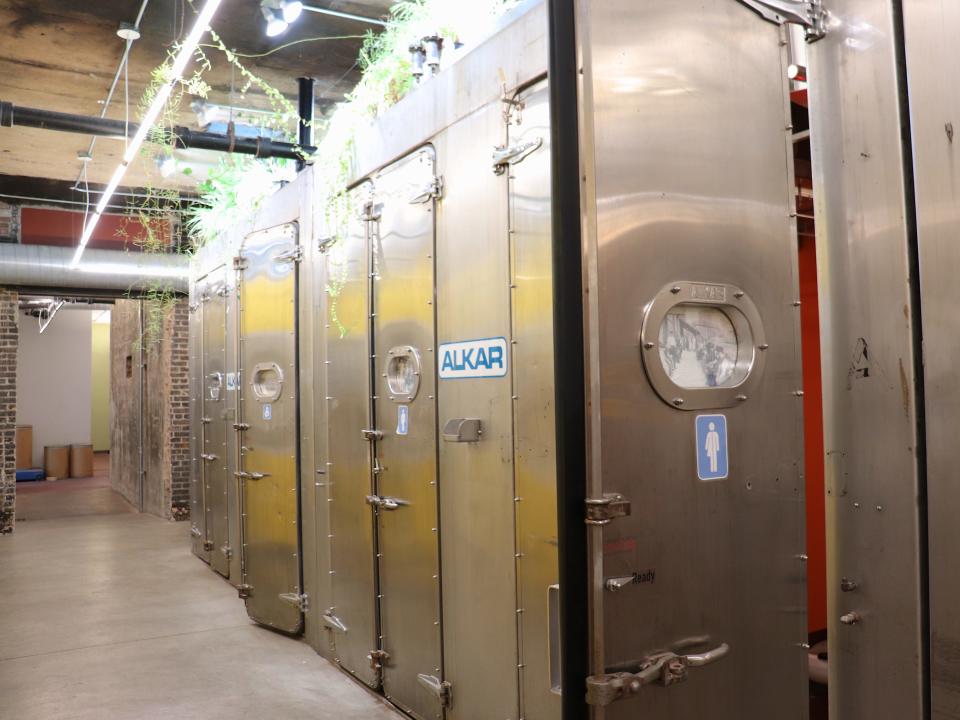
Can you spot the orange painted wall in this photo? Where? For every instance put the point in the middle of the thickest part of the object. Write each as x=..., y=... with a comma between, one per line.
x=813, y=437
x=51, y=226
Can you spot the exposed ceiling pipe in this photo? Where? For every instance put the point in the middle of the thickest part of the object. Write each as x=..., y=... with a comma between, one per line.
x=262, y=147
x=306, y=103
x=44, y=266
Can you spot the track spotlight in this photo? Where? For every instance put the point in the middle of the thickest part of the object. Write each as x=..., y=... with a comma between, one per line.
x=291, y=10
x=279, y=14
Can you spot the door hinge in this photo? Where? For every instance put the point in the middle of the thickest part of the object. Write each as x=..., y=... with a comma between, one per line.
x=208, y=545
x=371, y=435
x=240, y=263
x=195, y=531
x=206, y=420
x=810, y=14
x=378, y=659
x=244, y=591
x=371, y=212
x=332, y=621
x=431, y=191
x=442, y=689
x=601, y=511
x=193, y=307
x=294, y=254
x=208, y=457
x=663, y=668
x=227, y=551
x=506, y=155
x=298, y=600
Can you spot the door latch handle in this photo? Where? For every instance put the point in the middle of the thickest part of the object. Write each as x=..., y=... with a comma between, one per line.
x=371, y=435
x=618, y=583
x=385, y=503
x=257, y=476
x=505, y=156
x=208, y=457
x=664, y=668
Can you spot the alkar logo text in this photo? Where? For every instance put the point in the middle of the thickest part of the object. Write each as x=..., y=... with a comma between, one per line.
x=485, y=358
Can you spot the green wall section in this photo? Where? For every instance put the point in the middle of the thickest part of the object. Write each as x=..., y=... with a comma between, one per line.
x=100, y=388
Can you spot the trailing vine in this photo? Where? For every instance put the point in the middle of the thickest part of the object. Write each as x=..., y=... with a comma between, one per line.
x=234, y=191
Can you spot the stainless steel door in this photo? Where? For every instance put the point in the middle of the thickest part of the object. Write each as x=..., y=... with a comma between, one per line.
x=405, y=467
x=873, y=471
x=930, y=28
x=214, y=420
x=268, y=428
x=352, y=618
x=200, y=543
x=533, y=392
x=693, y=361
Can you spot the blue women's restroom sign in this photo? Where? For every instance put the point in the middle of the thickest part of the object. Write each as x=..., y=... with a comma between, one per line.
x=713, y=462
x=403, y=419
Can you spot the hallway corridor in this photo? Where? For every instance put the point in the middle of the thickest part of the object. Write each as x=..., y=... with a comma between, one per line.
x=110, y=617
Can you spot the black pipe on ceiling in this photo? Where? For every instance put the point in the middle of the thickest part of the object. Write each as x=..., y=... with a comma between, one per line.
x=305, y=110
x=262, y=147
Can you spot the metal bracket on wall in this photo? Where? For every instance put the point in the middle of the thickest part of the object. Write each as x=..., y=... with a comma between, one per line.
x=808, y=13
x=603, y=510
x=443, y=690
x=298, y=600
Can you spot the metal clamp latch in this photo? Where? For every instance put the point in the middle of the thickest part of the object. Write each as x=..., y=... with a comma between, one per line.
x=294, y=254
x=195, y=531
x=442, y=689
x=433, y=190
x=244, y=475
x=208, y=545
x=385, y=503
x=463, y=430
x=206, y=420
x=600, y=511
x=503, y=157
x=808, y=13
x=208, y=457
x=241, y=426
x=332, y=621
x=244, y=591
x=371, y=435
x=298, y=600
x=664, y=668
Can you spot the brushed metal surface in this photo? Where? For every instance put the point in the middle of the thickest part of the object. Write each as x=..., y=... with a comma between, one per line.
x=533, y=407
x=216, y=422
x=476, y=479
x=930, y=30
x=689, y=177
x=868, y=366
x=271, y=534
x=198, y=511
x=352, y=557
x=408, y=543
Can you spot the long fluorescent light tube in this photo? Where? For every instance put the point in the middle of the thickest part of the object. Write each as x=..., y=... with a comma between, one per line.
x=149, y=118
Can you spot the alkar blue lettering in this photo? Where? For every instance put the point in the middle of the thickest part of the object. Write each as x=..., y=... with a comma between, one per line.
x=485, y=358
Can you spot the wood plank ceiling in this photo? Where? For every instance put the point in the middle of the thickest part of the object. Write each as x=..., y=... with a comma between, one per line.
x=62, y=55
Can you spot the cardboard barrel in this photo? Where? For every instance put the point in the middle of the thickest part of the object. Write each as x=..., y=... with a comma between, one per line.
x=56, y=461
x=81, y=461
x=24, y=446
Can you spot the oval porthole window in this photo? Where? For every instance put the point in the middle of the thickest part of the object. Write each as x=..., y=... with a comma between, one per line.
x=699, y=347
x=702, y=345
x=403, y=373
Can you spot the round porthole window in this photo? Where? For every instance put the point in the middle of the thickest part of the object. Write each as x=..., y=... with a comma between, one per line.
x=702, y=345
x=403, y=373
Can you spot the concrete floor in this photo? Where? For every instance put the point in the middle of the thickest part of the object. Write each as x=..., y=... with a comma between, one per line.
x=43, y=500
x=110, y=617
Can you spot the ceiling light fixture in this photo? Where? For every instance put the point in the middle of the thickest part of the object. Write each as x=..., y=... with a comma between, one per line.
x=186, y=51
x=280, y=13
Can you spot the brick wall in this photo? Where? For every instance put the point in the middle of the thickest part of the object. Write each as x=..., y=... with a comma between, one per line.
x=178, y=423
x=9, y=338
